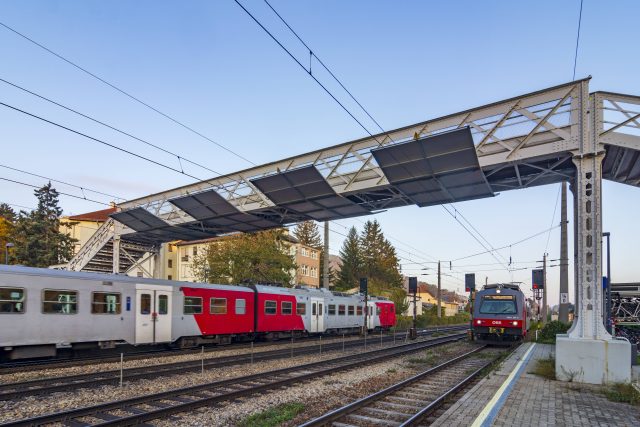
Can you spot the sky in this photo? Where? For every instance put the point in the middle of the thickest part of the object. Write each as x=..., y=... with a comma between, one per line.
x=207, y=64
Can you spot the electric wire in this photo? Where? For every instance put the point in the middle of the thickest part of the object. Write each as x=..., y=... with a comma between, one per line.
x=309, y=73
x=313, y=54
x=575, y=59
x=178, y=157
x=129, y=95
x=62, y=182
x=59, y=192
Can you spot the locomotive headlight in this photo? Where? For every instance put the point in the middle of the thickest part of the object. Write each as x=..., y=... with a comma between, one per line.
x=478, y=321
x=515, y=323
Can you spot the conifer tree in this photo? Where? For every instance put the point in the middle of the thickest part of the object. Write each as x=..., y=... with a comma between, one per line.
x=351, y=262
x=39, y=242
x=308, y=234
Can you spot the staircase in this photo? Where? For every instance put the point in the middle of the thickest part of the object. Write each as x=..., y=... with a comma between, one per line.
x=97, y=254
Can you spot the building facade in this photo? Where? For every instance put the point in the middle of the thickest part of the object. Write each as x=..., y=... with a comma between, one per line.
x=82, y=227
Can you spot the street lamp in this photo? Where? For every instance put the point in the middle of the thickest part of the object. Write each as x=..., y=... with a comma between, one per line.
x=6, y=252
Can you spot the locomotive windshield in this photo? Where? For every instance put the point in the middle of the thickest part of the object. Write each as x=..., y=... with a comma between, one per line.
x=498, y=304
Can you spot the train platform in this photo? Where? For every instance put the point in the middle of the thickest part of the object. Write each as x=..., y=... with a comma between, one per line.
x=513, y=396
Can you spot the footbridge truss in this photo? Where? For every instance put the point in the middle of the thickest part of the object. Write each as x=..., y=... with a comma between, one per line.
x=560, y=133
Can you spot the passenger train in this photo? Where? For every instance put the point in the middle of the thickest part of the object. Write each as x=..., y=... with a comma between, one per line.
x=500, y=314
x=43, y=311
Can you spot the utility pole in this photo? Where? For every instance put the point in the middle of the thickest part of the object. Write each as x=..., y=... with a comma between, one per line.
x=563, y=313
x=439, y=292
x=545, y=308
x=607, y=308
x=325, y=259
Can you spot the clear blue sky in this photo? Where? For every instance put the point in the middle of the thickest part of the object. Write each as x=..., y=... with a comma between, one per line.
x=208, y=64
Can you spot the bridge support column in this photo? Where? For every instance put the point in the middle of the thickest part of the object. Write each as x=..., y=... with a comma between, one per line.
x=588, y=353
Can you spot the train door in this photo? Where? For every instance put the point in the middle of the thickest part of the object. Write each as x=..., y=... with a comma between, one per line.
x=317, y=314
x=153, y=314
x=371, y=318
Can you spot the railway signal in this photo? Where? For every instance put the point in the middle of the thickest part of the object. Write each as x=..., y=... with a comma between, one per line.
x=413, y=289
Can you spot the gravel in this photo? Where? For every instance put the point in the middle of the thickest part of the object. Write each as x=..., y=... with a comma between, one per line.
x=323, y=393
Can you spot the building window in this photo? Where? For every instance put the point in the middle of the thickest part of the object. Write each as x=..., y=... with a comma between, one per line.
x=169, y=277
x=304, y=270
x=314, y=272
x=286, y=307
x=241, y=306
x=192, y=305
x=105, y=303
x=301, y=308
x=218, y=306
x=270, y=307
x=11, y=300
x=195, y=250
x=351, y=310
x=59, y=302
x=314, y=254
x=170, y=263
x=359, y=310
x=332, y=309
x=341, y=310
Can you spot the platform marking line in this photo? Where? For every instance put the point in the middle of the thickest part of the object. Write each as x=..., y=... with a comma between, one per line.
x=491, y=409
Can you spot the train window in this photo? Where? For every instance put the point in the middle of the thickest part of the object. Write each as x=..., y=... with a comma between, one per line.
x=359, y=310
x=341, y=310
x=301, y=308
x=498, y=304
x=270, y=307
x=332, y=309
x=59, y=302
x=320, y=309
x=314, y=309
x=105, y=303
x=163, y=304
x=351, y=310
x=378, y=310
x=286, y=307
x=192, y=305
x=241, y=306
x=218, y=305
x=145, y=304
x=11, y=300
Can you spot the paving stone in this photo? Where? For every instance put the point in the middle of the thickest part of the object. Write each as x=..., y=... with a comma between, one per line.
x=535, y=401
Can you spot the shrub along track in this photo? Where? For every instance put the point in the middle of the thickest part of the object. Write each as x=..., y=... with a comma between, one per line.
x=145, y=408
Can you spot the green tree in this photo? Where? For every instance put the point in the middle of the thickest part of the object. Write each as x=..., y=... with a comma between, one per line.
x=7, y=229
x=39, y=242
x=308, y=234
x=380, y=264
x=261, y=257
x=351, y=262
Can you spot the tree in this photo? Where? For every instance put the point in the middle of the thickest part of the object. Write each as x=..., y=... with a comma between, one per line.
x=260, y=257
x=7, y=226
x=39, y=242
x=380, y=264
x=351, y=262
x=308, y=234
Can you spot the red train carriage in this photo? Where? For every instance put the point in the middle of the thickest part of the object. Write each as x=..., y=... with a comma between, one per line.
x=500, y=314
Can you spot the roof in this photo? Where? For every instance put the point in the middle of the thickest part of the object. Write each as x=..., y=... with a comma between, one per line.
x=97, y=216
x=285, y=236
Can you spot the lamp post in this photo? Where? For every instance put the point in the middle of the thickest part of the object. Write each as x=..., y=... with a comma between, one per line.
x=6, y=252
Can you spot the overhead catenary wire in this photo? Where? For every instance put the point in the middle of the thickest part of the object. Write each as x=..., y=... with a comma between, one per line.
x=305, y=69
x=575, y=58
x=59, y=192
x=93, y=119
x=62, y=182
x=126, y=93
x=312, y=54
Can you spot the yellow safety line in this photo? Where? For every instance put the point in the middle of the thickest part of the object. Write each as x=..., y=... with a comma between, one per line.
x=489, y=406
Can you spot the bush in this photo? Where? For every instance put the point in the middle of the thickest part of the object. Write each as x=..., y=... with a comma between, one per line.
x=551, y=329
x=430, y=318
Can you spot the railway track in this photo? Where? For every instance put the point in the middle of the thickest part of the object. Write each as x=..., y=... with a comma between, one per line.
x=145, y=408
x=410, y=402
x=72, y=382
x=35, y=365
